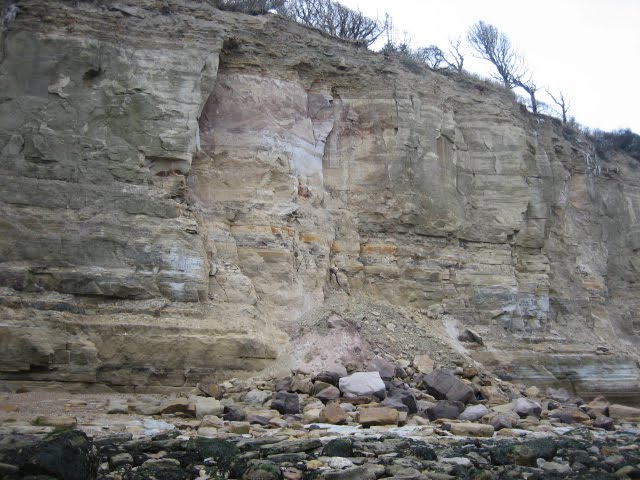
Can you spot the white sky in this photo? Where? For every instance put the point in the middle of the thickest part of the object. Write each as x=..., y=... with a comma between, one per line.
x=589, y=49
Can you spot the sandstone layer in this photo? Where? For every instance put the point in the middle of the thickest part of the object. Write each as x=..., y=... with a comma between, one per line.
x=182, y=188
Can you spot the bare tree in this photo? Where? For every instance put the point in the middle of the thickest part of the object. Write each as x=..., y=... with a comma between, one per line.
x=494, y=46
x=432, y=55
x=531, y=88
x=334, y=19
x=455, y=60
x=562, y=102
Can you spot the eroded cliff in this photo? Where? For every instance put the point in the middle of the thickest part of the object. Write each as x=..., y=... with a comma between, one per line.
x=182, y=188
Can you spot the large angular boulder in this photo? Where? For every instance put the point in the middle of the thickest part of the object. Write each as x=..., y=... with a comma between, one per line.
x=384, y=367
x=363, y=384
x=286, y=403
x=526, y=407
x=368, y=417
x=444, y=385
x=445, y=409
x=401, y=399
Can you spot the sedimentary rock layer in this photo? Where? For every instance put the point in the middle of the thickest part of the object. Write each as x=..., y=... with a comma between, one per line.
x=197, y=181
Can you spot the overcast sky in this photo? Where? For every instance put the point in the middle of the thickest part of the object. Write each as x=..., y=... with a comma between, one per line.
x=589, y=49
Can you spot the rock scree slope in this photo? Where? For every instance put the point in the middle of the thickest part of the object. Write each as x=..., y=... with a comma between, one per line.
x=187, y=192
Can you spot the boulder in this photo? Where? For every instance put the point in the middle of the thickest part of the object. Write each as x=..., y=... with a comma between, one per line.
x=472, y=429
x=178, y=406
x=606, y=423
x=558, y=394
x=359, y=384
x=208, y=406
x=284, y=385
x=526, y=407
x=445, y=409
x=257, y=396
x=620, y=412
x=384, y=367
x=370, y=416
x=473, y=412
x=69, y=454
x=470, y=336
x=598, y=406
x=329, y=393
x=332, y=413
x=500, y=421
x=423, y=363
x=444, y=385
x=338, y=447
x=402, y=399
x=286, y=403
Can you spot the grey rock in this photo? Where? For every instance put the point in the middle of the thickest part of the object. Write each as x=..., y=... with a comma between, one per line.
x=473, y=412
x=525, y=407
x=444, y=385
x=257, y=396
x=286, y=403
x=120, y=460
x=445, y=409
x=363, y=384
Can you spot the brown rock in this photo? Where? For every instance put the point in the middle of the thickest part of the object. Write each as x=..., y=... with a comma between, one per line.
x=332, y=413
x=619, y=412
x=368, y=417
x=423, y=363
x=329, y=393
x=472, y=429
x=211, y=389
x=178, y=405
x=56, y=421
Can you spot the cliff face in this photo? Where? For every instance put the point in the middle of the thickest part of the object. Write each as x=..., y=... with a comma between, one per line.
x=181, y=187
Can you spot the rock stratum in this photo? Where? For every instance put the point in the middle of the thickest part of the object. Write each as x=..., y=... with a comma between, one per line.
x=187, y=192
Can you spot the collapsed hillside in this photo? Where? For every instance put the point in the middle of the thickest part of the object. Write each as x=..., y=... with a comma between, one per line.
x=190, y=192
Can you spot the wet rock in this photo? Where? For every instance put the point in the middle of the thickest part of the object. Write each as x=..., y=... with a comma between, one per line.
x=528, y=452
x=69, y=455
x=363, y=384
x=473, y=412
x=262, y=470
x=445, y=409
x=525, y=407
x=339, y=447
x=368, y=417
x=57, y=421
x=165, y=468
x=606, y=423
x=444, y=385
x=294, y=446
x=286, y=403
x=120, y=460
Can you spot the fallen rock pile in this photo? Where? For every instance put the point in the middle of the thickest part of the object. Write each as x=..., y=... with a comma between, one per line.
x=394, y=421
